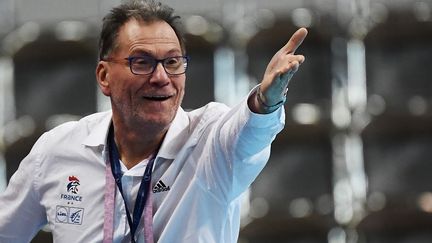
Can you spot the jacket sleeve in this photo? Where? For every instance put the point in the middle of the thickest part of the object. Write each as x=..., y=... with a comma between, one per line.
x=21, y=213
x=239, y=148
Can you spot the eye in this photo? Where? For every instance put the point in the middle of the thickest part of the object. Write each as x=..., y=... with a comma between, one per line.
x=143, y=61
x=172, y=61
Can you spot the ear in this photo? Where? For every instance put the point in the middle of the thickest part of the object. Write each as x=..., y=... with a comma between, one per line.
x=102, y=77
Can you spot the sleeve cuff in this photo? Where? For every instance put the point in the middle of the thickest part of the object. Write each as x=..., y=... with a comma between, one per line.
x=275, y=118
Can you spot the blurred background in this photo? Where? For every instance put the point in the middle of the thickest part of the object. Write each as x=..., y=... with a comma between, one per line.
x=354, y=161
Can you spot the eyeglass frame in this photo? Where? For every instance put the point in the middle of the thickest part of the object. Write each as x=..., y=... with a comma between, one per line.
x=157, y=61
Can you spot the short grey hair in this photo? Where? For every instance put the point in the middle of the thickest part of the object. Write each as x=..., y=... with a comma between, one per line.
x=142, y=10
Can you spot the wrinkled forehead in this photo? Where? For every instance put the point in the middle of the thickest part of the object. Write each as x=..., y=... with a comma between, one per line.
x=135, y=33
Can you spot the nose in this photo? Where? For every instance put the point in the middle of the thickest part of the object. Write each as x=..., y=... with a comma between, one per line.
x=159, y=76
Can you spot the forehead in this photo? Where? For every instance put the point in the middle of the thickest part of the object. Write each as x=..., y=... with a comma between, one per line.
x=152, y=36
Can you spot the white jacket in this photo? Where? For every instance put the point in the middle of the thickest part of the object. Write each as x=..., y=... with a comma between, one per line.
x=208, y=158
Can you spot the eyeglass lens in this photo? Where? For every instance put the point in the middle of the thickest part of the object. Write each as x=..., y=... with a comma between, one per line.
x=147, y=64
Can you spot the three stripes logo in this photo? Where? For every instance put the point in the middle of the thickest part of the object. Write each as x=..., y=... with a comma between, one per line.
x=160, y=187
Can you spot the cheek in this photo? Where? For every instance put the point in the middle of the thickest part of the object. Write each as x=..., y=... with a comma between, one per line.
x=121, y=86
x=181, y=91
x=180, y=84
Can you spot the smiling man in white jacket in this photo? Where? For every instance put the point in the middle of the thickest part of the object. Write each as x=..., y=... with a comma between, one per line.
x=147, y=171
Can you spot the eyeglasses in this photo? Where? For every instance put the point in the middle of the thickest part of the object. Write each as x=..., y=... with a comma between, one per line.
x=145, y=65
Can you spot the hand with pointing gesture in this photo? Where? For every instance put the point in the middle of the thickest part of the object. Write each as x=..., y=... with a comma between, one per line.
x=281, y=68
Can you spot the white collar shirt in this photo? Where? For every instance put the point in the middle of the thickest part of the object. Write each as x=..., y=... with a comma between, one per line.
x=208, y=158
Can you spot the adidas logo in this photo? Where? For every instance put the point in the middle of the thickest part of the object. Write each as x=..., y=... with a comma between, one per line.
x=160, y=187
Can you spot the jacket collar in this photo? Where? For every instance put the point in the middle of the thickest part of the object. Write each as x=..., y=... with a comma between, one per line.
x=98, y=130
x=175, y=138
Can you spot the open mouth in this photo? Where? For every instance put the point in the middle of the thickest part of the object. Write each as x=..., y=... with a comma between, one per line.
x=157, y=97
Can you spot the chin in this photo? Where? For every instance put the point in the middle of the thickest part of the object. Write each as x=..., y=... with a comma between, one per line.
x=158, y=121
x=157, y=117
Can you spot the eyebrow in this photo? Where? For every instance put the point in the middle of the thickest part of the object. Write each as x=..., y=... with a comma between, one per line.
x=175, y=51
x=141, y=52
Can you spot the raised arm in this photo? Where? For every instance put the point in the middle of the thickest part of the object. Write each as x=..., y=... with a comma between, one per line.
x=281, y=68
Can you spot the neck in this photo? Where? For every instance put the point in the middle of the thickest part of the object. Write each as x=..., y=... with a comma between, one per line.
x=135, y=145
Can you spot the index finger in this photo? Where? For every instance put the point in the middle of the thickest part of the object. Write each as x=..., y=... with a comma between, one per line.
x=295, y=40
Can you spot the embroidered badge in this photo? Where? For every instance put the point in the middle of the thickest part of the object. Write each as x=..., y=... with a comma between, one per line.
x=76, y=215
x=160, y=187
x=73, y=184
x=72, y=191
x=62, y=214
x=69, y=215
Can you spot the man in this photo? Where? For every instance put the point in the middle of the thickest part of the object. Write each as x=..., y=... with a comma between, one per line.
x=147, y=171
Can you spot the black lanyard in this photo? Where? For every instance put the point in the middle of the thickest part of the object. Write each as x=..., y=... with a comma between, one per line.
x=143, y=191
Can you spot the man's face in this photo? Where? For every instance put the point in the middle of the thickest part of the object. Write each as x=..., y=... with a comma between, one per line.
x=143, y=100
